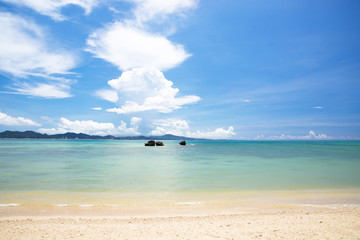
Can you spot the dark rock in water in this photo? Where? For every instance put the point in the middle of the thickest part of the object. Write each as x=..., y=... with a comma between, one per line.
x=150, y=143
x=159, y=143
x=182, y=143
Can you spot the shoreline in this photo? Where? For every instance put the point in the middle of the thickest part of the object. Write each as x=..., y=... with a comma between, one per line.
x=50, y=203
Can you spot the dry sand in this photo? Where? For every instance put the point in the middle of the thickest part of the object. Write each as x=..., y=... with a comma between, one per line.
x=299, y=223
x=281, y=216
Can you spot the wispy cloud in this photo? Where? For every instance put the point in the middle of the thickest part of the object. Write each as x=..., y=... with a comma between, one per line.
x=35, y=56
x=24, y=52
x=52, y=8
x=16, y=121
x=149, y=10
x=54, y=90
x=108, y=95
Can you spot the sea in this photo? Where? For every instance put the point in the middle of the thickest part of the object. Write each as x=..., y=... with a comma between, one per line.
x=65, y=171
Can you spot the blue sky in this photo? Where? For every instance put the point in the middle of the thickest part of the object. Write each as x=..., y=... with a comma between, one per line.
x=214, y=69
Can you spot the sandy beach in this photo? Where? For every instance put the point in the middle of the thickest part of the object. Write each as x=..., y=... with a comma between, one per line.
x=299, y=223
x=263, y=215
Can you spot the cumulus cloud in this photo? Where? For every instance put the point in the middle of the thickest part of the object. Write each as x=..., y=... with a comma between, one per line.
x=180, y=127
x=218, y=133
x=143, y=89
x=128, y=47
x=16, y=121
x=141, y=55
x=52, y=130
x=52, y=8
x=94, y=128
x=97, y=108
x=88, y=126
x=170, y=126
x=133, y=129
x=311, y=136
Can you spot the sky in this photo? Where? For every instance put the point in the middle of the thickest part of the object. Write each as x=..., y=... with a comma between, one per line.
x=231, y=69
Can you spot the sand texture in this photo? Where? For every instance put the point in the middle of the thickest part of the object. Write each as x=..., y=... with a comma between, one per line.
x=295, y=223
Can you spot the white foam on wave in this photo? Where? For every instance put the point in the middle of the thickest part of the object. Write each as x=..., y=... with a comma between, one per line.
x=10, y=205
x=188, y=203
x=332, y=206
x=61, y=205
x=86, y=205
x=112, y=205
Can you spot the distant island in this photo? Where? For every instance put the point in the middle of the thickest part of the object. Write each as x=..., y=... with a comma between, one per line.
x=70, y=135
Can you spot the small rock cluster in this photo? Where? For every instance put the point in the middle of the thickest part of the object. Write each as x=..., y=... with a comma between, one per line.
x=152, y=143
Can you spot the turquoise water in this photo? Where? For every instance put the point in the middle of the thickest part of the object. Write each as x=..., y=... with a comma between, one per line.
x=128, y=166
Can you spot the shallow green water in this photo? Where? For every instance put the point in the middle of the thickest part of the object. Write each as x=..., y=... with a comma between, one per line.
x=128, y=166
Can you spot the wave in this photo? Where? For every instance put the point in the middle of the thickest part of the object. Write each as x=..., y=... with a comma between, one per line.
x=10, y=205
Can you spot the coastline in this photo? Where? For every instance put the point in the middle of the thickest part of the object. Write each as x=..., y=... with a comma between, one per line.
x=160, y=204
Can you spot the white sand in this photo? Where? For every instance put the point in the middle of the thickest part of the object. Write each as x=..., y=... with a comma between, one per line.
x=299, y=223
x=308, y=215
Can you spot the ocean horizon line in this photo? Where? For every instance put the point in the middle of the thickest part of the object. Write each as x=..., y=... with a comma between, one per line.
x=29, y=134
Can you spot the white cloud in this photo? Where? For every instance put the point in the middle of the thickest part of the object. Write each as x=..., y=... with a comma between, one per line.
x=181, y=128
x=108, y=95
x=170, y=126
x=97, y=108
x=141, y=55
x=147, y=10
x=52, y=8
x=47, y=119
x=94, y=128
x=88, y=126
x=143, y=89
x=52, y=130
x=54, y=90
x=133, y=130
x=161, y=131
x=311, y=136
x=128, y=47
x=219, y=133
x=318, y=107
x=24, y=50
x=16, y=121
